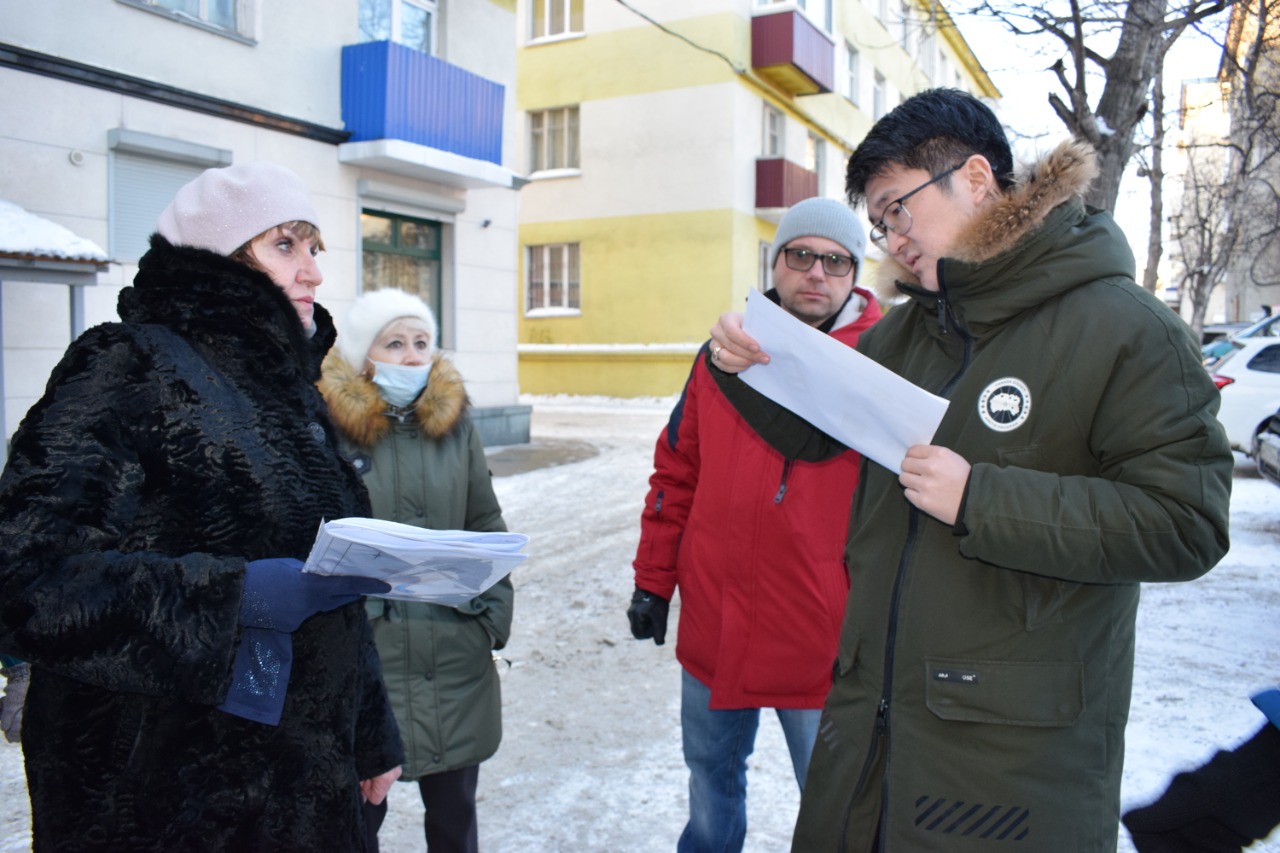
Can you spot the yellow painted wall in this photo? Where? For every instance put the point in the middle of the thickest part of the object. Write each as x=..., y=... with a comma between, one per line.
x=646, y=280
x=630, y=61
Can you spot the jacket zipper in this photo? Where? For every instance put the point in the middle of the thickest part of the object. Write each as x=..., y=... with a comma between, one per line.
x=946, y=319
x=782, y=487
x=882, y=712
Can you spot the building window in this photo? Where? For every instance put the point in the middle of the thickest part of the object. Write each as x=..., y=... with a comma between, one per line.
x=766, y=272
x=553, y=139
x=879, y=97
x=213, y=14
x=904, y=21
x=401, y=252
x=556, y=18
x=929, y=55
x=773, y=131
x=882, y=12
x=553, y=283
x=815, y=157
x=412, y=23
x=852, y=60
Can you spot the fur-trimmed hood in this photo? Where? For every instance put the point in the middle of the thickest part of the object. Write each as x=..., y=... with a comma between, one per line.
x=363, y=416
x=1063, y=175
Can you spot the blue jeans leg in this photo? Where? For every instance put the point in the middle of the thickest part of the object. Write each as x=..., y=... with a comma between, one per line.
x=800, y=728
x=716, y=746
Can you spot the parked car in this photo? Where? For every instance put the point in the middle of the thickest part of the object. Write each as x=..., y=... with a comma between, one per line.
x=1267, y=449
x=1248, y=378
x=1219, y=345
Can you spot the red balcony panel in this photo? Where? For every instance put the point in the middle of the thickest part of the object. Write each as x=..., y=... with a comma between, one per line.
x=789, y=51
x=781, y=183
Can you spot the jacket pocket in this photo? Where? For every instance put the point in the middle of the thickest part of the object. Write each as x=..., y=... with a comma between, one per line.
x=1011, y=693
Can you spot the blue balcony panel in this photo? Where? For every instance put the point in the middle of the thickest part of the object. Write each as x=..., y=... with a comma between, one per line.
x=390, y=91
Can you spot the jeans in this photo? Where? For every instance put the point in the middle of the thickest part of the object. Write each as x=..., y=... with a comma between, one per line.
x=716, y=747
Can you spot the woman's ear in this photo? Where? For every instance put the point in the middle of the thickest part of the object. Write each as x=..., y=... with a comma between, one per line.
x=369, y=369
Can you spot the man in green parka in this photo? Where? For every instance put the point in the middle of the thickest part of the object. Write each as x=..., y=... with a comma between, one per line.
x=985, y=665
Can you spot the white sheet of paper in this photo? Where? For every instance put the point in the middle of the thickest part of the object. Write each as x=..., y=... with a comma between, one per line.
x=840, y=391
x=440, y=566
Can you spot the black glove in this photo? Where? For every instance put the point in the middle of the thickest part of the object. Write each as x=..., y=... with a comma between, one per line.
x=648, y=615
x=280, y=596
x=1223, y=805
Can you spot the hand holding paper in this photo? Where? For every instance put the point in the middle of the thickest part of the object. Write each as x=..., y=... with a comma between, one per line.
x=848, y=396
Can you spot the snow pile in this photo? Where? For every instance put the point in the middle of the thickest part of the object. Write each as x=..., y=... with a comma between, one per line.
x=25, y=234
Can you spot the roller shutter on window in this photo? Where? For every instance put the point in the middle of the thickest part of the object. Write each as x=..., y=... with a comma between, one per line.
x=141, y=188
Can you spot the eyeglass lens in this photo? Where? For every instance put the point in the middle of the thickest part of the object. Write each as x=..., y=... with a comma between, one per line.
x=802, y=260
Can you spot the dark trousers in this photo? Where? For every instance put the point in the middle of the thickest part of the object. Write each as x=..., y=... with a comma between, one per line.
x=450, y=799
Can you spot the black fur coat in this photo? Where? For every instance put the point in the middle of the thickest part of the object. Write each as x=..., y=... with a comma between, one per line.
x=168, y=450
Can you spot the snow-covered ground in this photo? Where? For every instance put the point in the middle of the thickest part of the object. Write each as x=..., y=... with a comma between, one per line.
x=591, y=756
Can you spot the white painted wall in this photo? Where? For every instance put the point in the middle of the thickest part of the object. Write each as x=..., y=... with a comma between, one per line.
x=293, y=70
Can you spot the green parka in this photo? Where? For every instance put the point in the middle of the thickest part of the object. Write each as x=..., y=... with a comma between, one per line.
x=425, y=465
x=984, y=673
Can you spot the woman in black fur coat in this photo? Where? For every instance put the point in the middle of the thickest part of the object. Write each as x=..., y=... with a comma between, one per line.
x=190, y=688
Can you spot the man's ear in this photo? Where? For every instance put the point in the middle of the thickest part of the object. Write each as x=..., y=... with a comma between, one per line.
x=979, y=181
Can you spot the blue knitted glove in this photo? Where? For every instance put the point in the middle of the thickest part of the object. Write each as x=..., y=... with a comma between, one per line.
x=280, y=596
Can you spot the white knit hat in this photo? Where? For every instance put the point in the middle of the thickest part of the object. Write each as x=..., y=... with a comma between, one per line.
x=821, y=217
x=223, y=209
x=374, y=311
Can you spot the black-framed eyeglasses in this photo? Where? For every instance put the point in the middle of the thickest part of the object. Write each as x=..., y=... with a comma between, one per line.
x=896, y=217
x=802, y=260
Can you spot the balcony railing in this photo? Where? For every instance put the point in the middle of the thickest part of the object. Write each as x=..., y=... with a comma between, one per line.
x=781, y=183
x=390, y=91
x=789, y=51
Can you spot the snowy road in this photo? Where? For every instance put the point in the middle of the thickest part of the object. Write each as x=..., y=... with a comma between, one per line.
x=591, y=756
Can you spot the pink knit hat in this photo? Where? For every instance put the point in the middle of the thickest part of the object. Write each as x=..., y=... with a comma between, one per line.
x=223, y=209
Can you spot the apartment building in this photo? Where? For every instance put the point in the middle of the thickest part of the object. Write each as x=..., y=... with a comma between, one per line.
x=663, y=141
x=398, y=114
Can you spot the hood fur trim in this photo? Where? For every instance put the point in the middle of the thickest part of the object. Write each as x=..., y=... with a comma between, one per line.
x=360, y=412
x=1065, y=173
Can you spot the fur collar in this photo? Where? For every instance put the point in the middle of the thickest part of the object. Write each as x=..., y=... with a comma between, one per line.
x=1064, y=174
x=363, y=416
x=224, y=307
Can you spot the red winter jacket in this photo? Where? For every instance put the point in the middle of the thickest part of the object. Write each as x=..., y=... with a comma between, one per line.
x=754, y=543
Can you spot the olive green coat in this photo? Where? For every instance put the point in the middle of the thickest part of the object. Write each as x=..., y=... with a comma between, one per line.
x=984, y=672
x=425, y=465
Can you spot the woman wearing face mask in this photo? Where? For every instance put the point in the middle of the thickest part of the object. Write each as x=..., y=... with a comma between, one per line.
x=401, y=409
x=190, y=688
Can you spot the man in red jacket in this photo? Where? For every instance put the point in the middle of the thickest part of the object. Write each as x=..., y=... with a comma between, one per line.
x=754, y=543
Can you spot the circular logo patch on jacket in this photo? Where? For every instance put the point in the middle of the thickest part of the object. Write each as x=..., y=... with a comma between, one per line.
x=1005, y=404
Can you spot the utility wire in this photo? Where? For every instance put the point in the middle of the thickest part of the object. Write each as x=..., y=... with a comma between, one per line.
x=685, y=39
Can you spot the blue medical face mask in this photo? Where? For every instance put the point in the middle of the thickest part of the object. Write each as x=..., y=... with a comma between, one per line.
x=400, y=384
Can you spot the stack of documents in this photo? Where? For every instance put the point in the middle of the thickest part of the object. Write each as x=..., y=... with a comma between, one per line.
x=440, y=566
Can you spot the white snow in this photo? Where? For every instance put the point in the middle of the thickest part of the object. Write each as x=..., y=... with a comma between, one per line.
x=25, y=234
x=591, y=756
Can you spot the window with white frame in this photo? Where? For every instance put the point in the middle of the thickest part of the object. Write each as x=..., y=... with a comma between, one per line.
x=412, y=23
x=879, y=97
x=904, y=22
x=815, y=156
x=552, y=285
x=212, y=14
x=929, y=54
x=773, y=132
x=882, y=12
x=852, y=61
x=553, y=139
x=555, y=18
